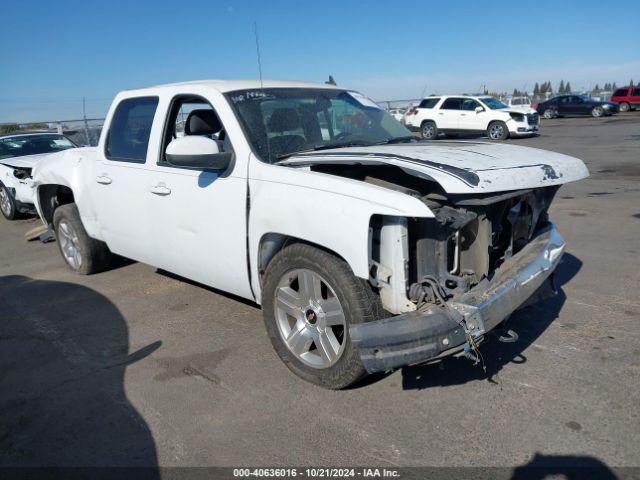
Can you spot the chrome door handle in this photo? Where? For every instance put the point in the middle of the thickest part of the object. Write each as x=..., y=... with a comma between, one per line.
x=103, y=179
x=161, y=189
x=463, y=114
x=440, y=113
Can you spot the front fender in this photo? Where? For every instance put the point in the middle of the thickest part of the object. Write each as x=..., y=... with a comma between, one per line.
x=325, y=210
x=72, y=169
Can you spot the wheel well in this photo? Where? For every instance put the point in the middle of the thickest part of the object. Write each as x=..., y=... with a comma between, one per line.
x=51, y=197
x=271, y=243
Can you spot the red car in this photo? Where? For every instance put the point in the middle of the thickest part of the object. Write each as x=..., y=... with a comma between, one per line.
x=627, y=97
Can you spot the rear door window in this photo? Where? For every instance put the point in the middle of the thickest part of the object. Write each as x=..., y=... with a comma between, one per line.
x=452, y=104
x=469, y=104
x=128, y=137
x=636, y=92
x=620, y=93
x=428, y=103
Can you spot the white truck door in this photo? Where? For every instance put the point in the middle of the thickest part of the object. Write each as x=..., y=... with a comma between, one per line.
x=199, y=217
x=448, y=115
x=120, y=183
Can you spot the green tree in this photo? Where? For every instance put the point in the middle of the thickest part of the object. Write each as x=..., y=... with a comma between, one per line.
x=561, y=87
x=596, y=88
x=567, y=88
x=8, y=128
x=614, y=86
x=536, y=89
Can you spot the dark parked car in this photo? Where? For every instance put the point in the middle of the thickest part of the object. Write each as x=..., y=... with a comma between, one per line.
x=575, y=105
x=627, y=97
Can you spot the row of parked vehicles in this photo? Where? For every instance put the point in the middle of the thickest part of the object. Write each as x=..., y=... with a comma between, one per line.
x=452, y=115
x=367, y=248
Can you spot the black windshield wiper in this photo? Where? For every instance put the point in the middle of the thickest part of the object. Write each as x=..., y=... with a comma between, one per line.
x=406, y=138
x=325, y=147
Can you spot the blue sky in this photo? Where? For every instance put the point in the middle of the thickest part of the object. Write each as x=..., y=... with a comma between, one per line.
x=56, y=52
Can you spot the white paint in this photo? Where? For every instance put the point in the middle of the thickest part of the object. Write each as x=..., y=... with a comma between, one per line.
x=198, y=228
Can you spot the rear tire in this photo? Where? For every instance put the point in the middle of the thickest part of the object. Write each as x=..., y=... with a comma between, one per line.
x=7, y=203
x=550, y=113
x=497, y=130
x=429, y=130
x=297, y=317
x=597, y=112
x=83, y=254
x=624, y=107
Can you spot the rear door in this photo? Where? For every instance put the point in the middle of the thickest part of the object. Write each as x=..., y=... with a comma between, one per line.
x=448, y=115
x=564, y=105
x=120, y=184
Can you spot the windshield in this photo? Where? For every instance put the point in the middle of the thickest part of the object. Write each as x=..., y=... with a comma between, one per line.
x=22, y=145
x=281, y=121
x=493, y=103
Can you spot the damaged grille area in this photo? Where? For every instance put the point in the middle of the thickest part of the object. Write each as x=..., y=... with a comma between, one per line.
x=469, y=238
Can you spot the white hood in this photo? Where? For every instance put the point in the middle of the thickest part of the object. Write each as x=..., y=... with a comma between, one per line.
x=461, y=166
x=28, y=161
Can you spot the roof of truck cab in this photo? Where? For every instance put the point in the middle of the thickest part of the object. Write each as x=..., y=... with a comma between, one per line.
x=232, y=85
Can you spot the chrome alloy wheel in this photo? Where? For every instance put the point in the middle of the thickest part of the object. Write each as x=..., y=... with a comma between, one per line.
x=496, y=131
x=5, y=201
x=69, y=244
x=548, y=114
x=428, y=130
x=310, y=318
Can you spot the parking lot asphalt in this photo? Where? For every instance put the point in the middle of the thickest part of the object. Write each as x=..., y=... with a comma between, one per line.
x=135, y=367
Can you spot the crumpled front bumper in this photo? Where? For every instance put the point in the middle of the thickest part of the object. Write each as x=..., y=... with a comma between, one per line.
x=420, y=336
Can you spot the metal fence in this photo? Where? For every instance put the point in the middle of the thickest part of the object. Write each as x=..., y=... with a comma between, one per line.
x=83, y=132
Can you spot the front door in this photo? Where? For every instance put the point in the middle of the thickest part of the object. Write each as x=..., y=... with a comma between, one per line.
x=470, y=119
x=199, y=217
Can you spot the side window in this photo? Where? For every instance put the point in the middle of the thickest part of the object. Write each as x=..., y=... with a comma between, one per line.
x=190, y=115
x=451, y=104
x=469, y=104
x=428, y=103
x=128, y=136
x=636, y=92
x=622, y=92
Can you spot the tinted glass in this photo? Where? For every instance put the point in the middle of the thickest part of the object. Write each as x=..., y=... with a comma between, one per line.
x=635, y=92
x=428, y=103
x=469, y=104
x=493, y=103
x=622, y=92
x=452, y=104
x=128, y=137
x=22, y=145
x=281, y=121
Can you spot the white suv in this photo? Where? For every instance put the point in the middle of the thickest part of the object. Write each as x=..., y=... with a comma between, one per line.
x=453, y=114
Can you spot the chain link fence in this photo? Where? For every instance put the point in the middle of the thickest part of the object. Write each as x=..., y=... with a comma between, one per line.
x=83, y=132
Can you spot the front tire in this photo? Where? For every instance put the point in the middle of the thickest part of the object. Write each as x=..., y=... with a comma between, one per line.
x=310, y=297
x=597, y=112
x=429, y=130
x=83, y=254
x=497, y=131
x=624, y=107
x=7, y=203
x=550, y=113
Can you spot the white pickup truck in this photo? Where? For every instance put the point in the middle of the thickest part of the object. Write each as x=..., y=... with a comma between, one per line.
x=367, y=249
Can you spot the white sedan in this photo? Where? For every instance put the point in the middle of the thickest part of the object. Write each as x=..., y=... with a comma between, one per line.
x=18, y=155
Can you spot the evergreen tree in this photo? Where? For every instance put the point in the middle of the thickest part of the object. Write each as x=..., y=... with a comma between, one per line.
x=614, y=86
x=561, y=87
x=596, y=88
x=536, y=89
x=567, y=88
x=549, y=87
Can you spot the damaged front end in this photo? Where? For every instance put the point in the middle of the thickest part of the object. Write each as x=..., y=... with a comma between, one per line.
x=465, y=270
